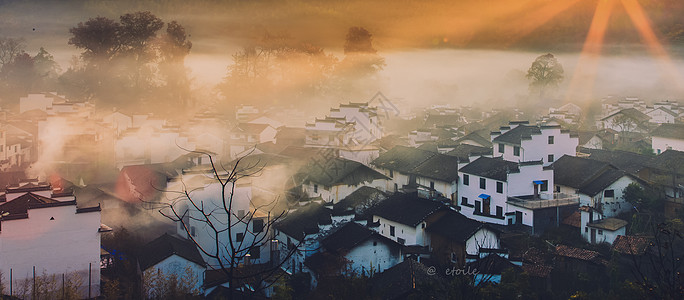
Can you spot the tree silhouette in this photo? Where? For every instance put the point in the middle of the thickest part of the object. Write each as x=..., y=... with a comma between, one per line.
x=545, y=72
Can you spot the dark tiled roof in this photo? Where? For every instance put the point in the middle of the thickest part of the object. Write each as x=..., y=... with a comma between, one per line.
x=517, y=134
x=574, y=171
x=401, y=279
x=493, y=168
x=326, y=263
x=336, y=171
x=164, y=247
x=350, y=235
x=632, y=245
x=402, y=159
x=633, y=113
x=442, y=120
x=610, y=224
x=407, y=209
x=441, y=167
x=668, y=161
x=304, y=220
x=20, y=205
x=464, y=151
x=359, y=201
x=477, y=138
x=455, y=226
x=623, y=160
x=673, y=131
x=492, y=264
x=598, y=183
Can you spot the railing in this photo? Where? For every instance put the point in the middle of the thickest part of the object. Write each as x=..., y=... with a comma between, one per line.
x=544, y=200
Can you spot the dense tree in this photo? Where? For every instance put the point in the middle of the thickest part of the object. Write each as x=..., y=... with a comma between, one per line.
x=359, y=39
x=10, y=48
x=545, y=72
x=173, y=47
x=98, y=37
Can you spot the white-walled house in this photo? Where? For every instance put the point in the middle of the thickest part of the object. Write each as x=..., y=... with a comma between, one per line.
x=625, y=120
x=367, y=126
x=598, y=184
x=247, y=225
x=301, y=230
x=519, y=142
x=329, y=132
x=335, y=178
x=668, y=136
x=170, y=255
x=398, y=163
x=246, y=135
x=497, y=191
x=597, y=229
x=662, y=115
x=437, y=177
x=453, y=237
x=53, y=237
x=366, y=251
x=403, y=218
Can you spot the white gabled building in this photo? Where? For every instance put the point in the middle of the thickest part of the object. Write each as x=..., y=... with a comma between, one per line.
x=329, y=132
x=48, y=235
x=666, y=137
x=520, y=142
x=497, y=191
x=367, y=126
x=404, y=217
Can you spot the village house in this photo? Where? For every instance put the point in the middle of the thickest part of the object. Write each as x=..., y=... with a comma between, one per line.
x=437, y=177
x=147, y=145
x=167, y=256
x=398, y=163
x=70, y=233
x=666, y=137
x=364, y=251
x=519, y=142
x=367, y=125
x=404, y=217
x=598, y=184
x=335, y=178
x=453, y=237
x=301, y=231
x=625, y=120
x=596, y=229
x=497, y=191
x=329, y=132
x=245, y=136
x=662, y=115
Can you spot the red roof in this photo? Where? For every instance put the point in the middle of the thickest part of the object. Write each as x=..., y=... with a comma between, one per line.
x=633, y=245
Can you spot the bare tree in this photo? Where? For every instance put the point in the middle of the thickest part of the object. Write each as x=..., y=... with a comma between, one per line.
x=232, y=240
x=10, y=48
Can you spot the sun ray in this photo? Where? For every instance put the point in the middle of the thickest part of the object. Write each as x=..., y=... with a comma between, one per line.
x=531, y=21
x=582, y=83
x=643, y=25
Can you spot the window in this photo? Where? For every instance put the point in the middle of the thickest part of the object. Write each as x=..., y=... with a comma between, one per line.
x=501, y=148
x=499, y=211
x=464, y=201
x=609, y=193
x=391, y=173
x=483, y=183
x=255, y=252
x=466, y=179
x=516, y=150
x=600, y=231
x=239, y=236
x=550, y=158
x=401, y=241
x=544, y=187
x=551, y=140
x=558, y=189
x=375, y=243
x=315, y=188
x=391, y=230
x=432, y=185
x=257, y=225
x=586, y=229
x=499, y=187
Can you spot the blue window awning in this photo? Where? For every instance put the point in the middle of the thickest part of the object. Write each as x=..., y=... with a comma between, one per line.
x=484, y=196
x=538, y=182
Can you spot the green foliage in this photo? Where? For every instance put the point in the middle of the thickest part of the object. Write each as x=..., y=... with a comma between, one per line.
x=644, y=199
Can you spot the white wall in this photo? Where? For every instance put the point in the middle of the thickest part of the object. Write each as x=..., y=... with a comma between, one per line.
x=483, y=238
x=538, y=147
x=367, y=256
x=412, y=235
x=661, y=144
x=177, y=265
x=67, y=244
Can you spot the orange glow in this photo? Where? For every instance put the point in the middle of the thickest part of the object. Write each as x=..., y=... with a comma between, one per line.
x=582, y=82
x=541, y=16
x=643, y=25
